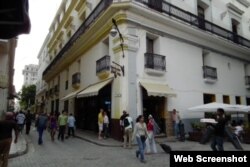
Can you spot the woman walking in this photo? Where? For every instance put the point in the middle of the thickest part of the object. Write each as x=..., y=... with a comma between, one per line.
x=53, y=126
x=150, y=142
x=140, y=133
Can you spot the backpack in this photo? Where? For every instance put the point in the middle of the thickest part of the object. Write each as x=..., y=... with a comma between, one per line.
x=126, y=122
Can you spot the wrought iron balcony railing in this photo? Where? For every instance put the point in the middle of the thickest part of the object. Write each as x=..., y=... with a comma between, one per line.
x=102, y=6
x=155, y=61
x=103, y=64
x=56, y=89
x=194, y=20
x=76, y=78
x=247, y=80
x=209, y=72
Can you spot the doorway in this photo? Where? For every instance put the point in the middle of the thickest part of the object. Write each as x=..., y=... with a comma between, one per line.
x=87, y=109
x=154, y=106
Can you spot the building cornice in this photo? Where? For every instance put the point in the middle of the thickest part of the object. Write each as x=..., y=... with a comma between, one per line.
x=61, y=24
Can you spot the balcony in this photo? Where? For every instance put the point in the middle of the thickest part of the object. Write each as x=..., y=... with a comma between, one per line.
x=56, y=90
x=76, y=80
x=194, y=20
x=210, y=74
x=51, y=92
x=155, y=64
x=103, y=67
x=247, y=82
x=47, y=94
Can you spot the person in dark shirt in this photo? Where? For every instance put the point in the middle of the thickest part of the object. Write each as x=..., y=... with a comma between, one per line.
x=42, y=121
x=219, y=131
x=28, y=120
x=6, y=128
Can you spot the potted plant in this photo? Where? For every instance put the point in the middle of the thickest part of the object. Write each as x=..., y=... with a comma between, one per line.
x=196, y=134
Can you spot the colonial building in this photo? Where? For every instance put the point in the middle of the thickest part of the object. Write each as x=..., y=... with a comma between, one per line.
x=41, y=85
x=7, y=89
x=30, y=74
x=170, y=54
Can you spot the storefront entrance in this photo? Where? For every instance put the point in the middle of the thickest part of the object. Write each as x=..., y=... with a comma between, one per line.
x=87, y=109
x=156, y=107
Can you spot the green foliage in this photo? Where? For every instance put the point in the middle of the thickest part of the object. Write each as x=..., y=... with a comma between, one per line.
x=27, y=95
x=197, y=126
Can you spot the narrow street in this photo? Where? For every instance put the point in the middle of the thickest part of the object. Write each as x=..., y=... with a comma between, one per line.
x=75, y=152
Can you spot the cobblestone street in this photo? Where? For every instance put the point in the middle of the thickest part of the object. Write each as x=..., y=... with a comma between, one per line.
x=74, y=152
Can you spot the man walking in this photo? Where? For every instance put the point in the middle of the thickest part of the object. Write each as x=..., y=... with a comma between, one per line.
x=20, y=118
x=71, y=125
x=128, y=131
x=6, y=128
x=28, y=121
x=219, y=131
x=176, y=120
x=62, y=122
x=41, y=126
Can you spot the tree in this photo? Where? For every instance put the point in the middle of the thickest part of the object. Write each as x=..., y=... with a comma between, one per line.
x=28, y=95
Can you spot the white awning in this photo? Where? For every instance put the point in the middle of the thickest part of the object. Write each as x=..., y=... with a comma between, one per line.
x=93, y=89
x=70, y=95
x=157, y=89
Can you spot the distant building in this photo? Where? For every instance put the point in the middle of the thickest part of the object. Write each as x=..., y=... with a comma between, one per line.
x=30, y=74
x=7, y=89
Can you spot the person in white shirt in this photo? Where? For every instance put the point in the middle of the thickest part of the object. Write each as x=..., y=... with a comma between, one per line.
x=141, y=134
x=128, y=131
x=20, y=118
x=176, y=120
x=238, y=129
x=105, y=124
x=71, y=125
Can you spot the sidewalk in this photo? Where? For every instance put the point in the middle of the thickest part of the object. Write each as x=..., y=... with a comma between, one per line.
x=93, y=138
x=175, y=145
x=19, y=148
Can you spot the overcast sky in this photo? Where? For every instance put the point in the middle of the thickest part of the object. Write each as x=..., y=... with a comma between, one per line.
x=41, y=13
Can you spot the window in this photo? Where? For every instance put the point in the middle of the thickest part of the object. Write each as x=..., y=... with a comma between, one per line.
x=235, y=26
x=226, y=99
x=248, y=101
x=66, y=85
x=150, y=45
x=237, y=100
x=66, y=105
x=201, y=15
x=209, y=98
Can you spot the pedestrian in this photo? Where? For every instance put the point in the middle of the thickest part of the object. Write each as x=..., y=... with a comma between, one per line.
x=105, y=124
x=6, y=128
x=219, y=131
x=28, y=121
x=128, y=131
x=176, y=120
x=42, y=121
x=71, y=125
x=100, y=123
x=124, y=114
x=53, y=125
x=62, y=122
x=150, y=142
x=20, y=118
x=140, y=133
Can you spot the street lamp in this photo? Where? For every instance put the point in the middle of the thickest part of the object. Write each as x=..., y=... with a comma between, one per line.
x=113, y=33
x=117, y=69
